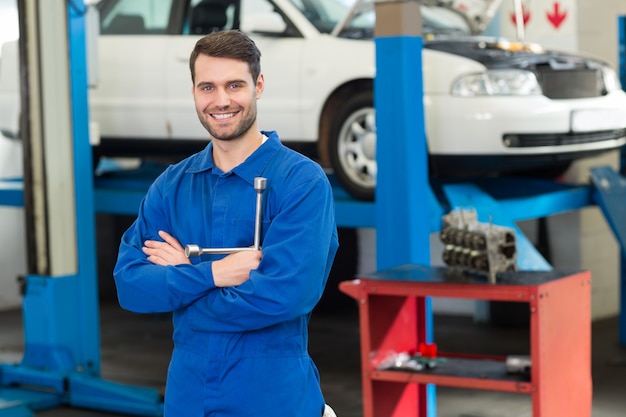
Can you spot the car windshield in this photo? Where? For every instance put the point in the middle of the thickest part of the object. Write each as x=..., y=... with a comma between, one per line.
x=327, y=14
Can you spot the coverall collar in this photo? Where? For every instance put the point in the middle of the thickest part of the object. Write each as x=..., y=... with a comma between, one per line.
x=252, y=167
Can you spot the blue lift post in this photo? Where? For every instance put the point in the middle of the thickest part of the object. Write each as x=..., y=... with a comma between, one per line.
x=402, y=192
x=622, y=72
x=610, y=196
x=61, y=362
x=621, y=35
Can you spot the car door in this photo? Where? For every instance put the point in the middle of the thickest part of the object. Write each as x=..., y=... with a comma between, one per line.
x=281, y=48
x=128, y=100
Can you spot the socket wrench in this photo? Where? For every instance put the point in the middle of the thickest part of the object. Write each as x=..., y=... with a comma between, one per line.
x=260, y=184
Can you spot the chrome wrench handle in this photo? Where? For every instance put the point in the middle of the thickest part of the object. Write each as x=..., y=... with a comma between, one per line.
x=260, y=183
x=195, y=250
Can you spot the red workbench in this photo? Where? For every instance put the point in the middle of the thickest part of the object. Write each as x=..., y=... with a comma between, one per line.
x=392, y=318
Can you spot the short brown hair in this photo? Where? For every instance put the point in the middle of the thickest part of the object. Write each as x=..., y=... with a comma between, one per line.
x=228, y=44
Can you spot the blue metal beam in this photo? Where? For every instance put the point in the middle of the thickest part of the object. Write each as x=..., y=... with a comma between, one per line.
x=610, y=196
x=122, y=192
x=12, y=193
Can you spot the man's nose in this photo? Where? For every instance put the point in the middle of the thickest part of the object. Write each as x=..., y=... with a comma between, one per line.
x=221, y=97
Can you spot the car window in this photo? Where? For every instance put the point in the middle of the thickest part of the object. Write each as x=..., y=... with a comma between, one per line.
x=323, y=14
x=205, y=16
x=134, y=17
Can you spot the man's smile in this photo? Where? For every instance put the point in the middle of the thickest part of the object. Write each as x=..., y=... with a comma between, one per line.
x=222, y=116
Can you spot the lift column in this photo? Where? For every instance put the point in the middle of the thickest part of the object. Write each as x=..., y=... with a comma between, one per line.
x=56, y=247
x=402, y=191
x=61, y=362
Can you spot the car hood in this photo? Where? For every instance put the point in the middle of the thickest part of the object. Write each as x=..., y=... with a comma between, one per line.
x=495, y=53
x=477, y=13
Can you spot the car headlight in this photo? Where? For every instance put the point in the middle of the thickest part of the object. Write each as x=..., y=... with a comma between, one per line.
x=504, y=82
x=611, y=81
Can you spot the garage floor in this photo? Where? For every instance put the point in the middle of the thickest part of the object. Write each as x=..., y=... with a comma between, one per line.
x=135, y=350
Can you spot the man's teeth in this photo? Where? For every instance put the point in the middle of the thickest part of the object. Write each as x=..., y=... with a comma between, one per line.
x=223, y=115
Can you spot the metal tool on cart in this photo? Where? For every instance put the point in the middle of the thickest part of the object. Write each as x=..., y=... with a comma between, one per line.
x=195, y=250
x=476, y=247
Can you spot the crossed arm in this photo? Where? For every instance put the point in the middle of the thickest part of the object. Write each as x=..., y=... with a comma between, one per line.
x=229, y=271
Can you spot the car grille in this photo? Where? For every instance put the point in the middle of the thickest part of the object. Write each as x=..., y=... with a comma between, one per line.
x=571, y=83
x=559, y=139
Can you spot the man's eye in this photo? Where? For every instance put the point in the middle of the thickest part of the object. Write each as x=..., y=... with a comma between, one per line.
x=207, y=88
x=235, y=85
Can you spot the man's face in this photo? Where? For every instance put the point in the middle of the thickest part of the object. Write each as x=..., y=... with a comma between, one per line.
x=225, y=96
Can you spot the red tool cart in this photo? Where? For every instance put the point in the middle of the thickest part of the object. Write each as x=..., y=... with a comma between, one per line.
x=392, y=320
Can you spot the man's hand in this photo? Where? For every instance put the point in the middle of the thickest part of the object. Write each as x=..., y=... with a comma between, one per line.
x=235, y=268
x=230, y=271
x=168, y=252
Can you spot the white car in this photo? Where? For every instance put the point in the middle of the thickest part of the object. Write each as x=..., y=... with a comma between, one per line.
x=490, y=106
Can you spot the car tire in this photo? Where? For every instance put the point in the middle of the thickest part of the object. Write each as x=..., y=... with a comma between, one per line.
x=352, y=146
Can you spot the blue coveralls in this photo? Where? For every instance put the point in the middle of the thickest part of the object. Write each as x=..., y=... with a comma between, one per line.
x=238, y=351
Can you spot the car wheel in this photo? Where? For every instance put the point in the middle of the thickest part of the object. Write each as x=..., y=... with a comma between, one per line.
x=352, y=146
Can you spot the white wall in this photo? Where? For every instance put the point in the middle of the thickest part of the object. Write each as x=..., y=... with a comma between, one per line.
x=551, y=24
x=12, y=226
x=12, y=255
x=597, y=27
x=8, y=21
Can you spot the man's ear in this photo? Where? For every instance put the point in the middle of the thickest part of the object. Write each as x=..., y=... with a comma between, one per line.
x=260, y=85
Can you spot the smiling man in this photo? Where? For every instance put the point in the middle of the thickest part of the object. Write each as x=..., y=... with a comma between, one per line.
x=240, y=320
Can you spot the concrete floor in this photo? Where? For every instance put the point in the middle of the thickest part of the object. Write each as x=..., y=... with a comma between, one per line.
x=135, y=350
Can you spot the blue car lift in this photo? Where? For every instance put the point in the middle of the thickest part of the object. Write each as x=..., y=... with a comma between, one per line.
x=621, y=35
x=61, y=363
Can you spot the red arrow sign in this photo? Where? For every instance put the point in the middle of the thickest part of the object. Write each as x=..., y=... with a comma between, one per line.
x=556, y=17
x=525, y=16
